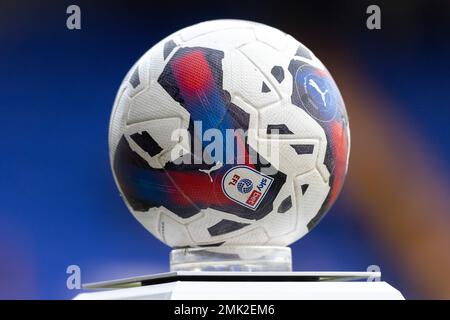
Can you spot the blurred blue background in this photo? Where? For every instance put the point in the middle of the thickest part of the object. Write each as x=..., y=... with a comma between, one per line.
x=59, y=205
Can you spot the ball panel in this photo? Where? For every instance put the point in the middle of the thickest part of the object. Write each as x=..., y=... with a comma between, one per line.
x=174, y=233
x=154, y=103
x=117, y=120
x=271, y=37
x=151, y=220
x=208, y=27
x=253, y=237
x=310, y=199
x=244, y=80
x=265, y=58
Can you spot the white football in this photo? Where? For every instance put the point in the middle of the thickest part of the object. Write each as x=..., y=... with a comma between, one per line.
x=229, y=132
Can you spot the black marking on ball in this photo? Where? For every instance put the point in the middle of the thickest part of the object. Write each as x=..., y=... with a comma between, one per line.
x=134, y=79
x=281, y=128
x=285, y=205
x=265, y=88
x=168, y=47
x=304, y=188
x=225, y=226
x=146, y=143
x=212, y=244
x=303, y=52
x=278, y=73
x=303, y=148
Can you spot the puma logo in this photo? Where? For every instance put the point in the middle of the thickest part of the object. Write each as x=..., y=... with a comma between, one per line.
x=217, y=166
x=313, y=84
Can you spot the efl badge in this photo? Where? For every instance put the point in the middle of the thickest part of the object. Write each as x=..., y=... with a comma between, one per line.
x=246, y=186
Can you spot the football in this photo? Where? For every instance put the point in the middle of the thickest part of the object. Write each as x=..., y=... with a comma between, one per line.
x=229, y=133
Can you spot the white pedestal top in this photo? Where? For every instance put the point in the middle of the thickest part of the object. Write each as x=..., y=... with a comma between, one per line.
x=246, y=286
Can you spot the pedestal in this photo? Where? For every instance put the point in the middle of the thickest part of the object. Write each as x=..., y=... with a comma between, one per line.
x=191, y=285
